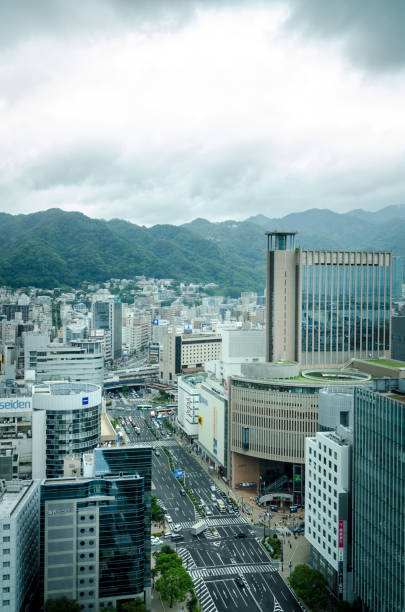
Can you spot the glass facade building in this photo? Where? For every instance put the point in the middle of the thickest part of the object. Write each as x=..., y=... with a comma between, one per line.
x=326, y=307
x=95, y=532
x=379, y=498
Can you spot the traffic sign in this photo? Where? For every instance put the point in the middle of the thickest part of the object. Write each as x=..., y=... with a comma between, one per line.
x=178, y=473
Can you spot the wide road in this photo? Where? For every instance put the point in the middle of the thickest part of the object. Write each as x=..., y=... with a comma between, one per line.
x=216, y=559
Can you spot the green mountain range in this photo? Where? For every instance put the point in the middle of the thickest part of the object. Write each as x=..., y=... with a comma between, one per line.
x=56, y=248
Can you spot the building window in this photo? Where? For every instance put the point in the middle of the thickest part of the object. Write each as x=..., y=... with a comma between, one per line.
x=6, y=539
x=6, y=526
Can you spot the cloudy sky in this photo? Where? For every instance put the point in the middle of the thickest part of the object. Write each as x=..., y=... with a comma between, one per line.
x=161, y=111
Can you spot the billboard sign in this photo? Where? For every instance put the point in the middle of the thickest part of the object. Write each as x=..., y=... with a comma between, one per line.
x=85, y=401
x=178, y=473
x=155, y=321
x=11, y=403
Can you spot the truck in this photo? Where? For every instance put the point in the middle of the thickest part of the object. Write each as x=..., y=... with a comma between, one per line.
x=220, y=505
x=198, y=528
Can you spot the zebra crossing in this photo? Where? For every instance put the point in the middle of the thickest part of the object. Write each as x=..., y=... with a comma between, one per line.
x=186, y=557
x=204, y=598
x=155, y=443
x=211, y=536
x=277, y=607
x=235, y=570
x=218, y=522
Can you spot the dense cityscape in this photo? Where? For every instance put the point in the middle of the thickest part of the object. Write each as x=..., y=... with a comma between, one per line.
x=202, y=306
x=162, y=444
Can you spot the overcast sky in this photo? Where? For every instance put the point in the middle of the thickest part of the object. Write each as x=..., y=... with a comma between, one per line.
x=161, y=111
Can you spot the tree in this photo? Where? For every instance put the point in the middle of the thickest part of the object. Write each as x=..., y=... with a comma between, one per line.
x=310, y=585
x=138, y=605
x=166, y=562
x=174, y=584
x=62, y=604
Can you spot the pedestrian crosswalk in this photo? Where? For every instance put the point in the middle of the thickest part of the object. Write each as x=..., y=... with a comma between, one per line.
x=155, y=443
x=211, y=536
x=217, y=522
x=187, y=559
x=277, y=607
x=235, y=570
x=204, y=598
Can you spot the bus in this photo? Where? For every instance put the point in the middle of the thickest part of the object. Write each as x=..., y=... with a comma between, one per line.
x=144, y=407
x=221, y=505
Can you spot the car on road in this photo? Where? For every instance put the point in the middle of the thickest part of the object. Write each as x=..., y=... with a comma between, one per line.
x=208, y=512
x=240, y=582
x=182, y=492
x=213, y=489
x=157, y=453
x=273, y=508
x=176, y=537
x=169, y=534
x=155, y=541
x=213, y=497
x=240, y=535
x=169, y=518
x=177, y=527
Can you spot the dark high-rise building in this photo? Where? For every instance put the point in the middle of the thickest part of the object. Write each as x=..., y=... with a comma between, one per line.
x=10, y=309
x=108, y=316
x=95, y=531
x=379, y=496
x=325, y=307
x=397, y=276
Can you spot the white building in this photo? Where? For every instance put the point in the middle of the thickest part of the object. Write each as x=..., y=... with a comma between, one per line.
x=66, y=423
x=80, y=361
x=19, y=552
x=327, y=506
x=212, y=424
x=188, y=403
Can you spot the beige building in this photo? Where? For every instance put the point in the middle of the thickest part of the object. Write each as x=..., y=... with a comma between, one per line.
x=272, y=409
x=184, y=353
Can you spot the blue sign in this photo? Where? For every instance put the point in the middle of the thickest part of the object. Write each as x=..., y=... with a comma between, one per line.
x=85, y=401
x=178, y=473
x=118, y=436
x=155, y=321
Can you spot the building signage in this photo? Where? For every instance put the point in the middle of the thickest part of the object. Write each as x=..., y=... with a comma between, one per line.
x=178, y=473
x=155, y=321
x=9, y=403
x=340, y=534
x=340, y=560
x=59, y=509
x=85, y=401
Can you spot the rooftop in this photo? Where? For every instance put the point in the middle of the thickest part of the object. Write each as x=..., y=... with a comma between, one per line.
x=388, y=363
x=11, y=493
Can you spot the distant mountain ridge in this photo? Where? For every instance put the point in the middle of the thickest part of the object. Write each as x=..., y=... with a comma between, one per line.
x=57, y=248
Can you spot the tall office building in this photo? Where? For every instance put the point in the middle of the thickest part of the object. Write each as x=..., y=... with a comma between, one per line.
x=66, y=422
x=19, y=550
x=95, y=531
x=379, y=496
x=108, y=316
x=325, y=307
x=397, y=276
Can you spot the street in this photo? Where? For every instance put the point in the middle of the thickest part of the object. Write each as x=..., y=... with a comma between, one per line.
x=229, y=549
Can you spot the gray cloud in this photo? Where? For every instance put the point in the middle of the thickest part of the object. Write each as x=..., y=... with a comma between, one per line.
x=372, y=31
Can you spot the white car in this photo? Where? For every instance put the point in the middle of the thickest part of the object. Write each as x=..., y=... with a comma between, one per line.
x=155, y=541
x=169, y=518
x=177, y=527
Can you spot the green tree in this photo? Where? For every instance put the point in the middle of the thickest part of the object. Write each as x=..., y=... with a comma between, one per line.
x=310, y=585
x=62, y=604
x=166, y=562
x=138, y=605
x=174, y=584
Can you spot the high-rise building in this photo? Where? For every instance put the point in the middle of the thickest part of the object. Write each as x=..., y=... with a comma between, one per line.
x=108, y=316
x=19, y=550
x=379, y=496
x=70, y=424
x=328, y=507
x=326, y=307
x=398, y=338
x=95, y=531
x=186, y=353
